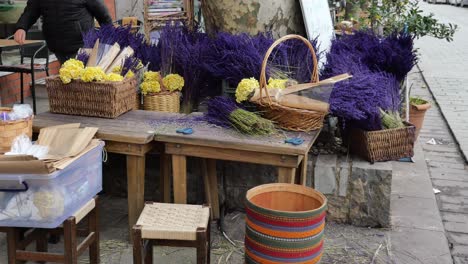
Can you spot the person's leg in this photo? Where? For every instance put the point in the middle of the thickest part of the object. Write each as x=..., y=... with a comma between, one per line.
x=62, y=57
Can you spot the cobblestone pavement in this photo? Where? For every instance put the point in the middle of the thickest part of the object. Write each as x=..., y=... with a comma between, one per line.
x=448, y=171
x=444, y=65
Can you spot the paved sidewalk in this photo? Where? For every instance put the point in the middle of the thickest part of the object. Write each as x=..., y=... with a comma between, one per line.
x=445, y=66
x=448, y=172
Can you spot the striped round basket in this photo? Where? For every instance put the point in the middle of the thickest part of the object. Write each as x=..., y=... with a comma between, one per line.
x=284, y=224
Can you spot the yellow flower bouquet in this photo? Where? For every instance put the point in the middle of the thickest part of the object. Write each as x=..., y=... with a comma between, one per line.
x=161, y=93
x=247, y=87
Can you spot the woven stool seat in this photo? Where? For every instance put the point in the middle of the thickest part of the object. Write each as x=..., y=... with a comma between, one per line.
x=172, y=221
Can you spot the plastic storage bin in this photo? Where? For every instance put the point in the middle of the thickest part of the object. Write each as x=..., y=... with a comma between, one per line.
x=45, y=201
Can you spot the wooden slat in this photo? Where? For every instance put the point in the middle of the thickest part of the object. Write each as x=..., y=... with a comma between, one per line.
x=85, y=243
x=12, y=43
x=39, y=256
x=129, y=148
x=233, y=155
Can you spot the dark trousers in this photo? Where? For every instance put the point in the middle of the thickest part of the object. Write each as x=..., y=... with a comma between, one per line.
x=62, y=57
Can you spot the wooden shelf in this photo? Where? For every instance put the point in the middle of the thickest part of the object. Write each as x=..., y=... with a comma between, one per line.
x=154, y=22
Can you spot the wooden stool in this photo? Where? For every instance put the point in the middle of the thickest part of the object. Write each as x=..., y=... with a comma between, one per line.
x=17, y=245
x=174, y=225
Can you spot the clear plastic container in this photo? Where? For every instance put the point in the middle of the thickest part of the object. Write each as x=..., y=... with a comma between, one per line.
x=45, y=201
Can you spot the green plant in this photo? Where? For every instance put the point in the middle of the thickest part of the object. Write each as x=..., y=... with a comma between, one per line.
x=417, y=101
x=388, y=16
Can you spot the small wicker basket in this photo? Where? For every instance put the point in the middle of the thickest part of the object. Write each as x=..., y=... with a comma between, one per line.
x=9, y=130
x=162, y=102
x=287, y=117
x=383, y=145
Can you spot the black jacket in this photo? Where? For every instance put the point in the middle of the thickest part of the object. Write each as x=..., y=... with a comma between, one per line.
x=64, y=21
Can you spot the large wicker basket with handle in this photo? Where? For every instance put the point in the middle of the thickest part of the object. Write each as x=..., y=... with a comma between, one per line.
x=100, y=99
x=9, y=130
x=289, y=118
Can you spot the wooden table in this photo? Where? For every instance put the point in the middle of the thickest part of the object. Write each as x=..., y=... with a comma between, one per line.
x=212, y=143
x=8, y=44
x=129, y=134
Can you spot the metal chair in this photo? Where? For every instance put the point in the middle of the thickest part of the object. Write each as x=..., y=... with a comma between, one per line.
x=34, y=52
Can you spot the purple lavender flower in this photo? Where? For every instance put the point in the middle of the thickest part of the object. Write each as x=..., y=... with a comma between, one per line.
x=358, y=99
x=83, y=57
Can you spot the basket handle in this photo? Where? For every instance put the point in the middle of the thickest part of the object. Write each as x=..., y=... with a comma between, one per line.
x=24, y=189
x=263, y=82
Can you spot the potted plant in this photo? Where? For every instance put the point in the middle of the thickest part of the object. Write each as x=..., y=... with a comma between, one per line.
x=418, y=108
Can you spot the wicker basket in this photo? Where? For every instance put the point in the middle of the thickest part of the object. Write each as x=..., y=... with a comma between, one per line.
x=287, y=117
x=162, y=102
x=137, y=102
x=9, y=130
x=383, y=145
x=100, y=99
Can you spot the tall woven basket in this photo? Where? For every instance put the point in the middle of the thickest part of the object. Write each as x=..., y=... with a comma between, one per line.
x=383, y=145
x=9, y=130
x=284, y=224
x=287, y=117
x=162, y=102
x=100, y=99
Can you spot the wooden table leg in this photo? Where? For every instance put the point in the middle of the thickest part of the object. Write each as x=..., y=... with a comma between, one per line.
x=165, y=178
x=210, y=179
x=304, y=170
x=179, y=178
x=135, y=188
x=286, y=175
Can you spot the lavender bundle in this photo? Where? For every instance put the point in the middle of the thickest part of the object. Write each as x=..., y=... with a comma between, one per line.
x=83, y=57
x=130, y=64
x=394, y=54
x=108, y=34
x=224, y=112
x=149, y=54
x=183, y=51
x=234, y=57
x=357, y=100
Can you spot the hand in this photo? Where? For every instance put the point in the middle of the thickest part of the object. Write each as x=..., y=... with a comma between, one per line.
x=20, y=36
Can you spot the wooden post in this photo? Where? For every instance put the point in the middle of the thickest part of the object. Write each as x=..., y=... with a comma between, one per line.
x=210, y=180
x=93, y=226
x=179, y=175
x=165, y=178
x=69, y=241
x=286, y=175
x=136, y=188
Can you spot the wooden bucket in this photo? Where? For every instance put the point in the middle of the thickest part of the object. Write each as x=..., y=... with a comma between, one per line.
x=284, y=224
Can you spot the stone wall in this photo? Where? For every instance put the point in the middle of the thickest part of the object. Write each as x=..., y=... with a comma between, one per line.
x=358, y=192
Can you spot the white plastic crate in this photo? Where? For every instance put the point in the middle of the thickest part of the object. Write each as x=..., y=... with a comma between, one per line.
x=45, y=201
